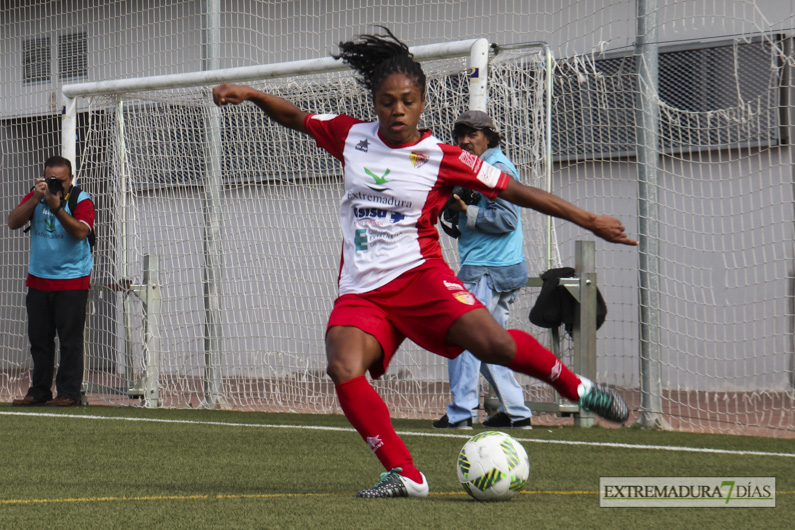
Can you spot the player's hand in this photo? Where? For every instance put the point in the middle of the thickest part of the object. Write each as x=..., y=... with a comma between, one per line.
x=457, y=205
x=226, y=93
x=611, y=229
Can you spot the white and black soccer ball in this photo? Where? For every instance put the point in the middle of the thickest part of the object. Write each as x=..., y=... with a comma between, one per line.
x=492, y=466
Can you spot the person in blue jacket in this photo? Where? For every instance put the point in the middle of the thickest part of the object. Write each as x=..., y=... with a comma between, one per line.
x=493, y=269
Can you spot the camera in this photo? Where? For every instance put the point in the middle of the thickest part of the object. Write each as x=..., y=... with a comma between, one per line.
x=449, y=217
x=466, y=195
x=54, y=185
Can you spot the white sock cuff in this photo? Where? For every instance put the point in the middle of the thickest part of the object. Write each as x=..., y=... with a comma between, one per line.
x=584, y=386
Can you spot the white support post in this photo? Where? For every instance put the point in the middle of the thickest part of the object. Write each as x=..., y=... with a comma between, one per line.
x=69, y=131
x=478, y=73
x=148, y=386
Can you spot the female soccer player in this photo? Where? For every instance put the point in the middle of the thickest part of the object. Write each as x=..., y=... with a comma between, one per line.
x=394, y=282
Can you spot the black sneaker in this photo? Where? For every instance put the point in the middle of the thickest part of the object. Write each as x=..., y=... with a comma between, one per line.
x=444, y=423
x=522, y=424
x=604, y=402
x=394, y=485
x=502, y=420
x=499, y=420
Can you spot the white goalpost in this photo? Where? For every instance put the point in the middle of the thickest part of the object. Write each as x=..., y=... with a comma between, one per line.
x=220, y=239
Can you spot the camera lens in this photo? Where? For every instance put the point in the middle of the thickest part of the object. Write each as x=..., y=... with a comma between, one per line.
x=54, y=185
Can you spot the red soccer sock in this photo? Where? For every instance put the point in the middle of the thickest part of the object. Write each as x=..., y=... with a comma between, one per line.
x=369, y=415
x=536, y=361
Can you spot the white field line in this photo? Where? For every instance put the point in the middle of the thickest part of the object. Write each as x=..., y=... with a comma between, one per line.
x=412, y=433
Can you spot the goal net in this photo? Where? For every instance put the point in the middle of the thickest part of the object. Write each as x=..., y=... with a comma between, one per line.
x=220, y=240
x=701, y=318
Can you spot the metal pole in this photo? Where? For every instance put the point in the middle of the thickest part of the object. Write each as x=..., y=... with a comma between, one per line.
x=648, y=217
x=585, y=320
x=213, y=247
x=123, y=251
x=152, y=333
x=550, y=89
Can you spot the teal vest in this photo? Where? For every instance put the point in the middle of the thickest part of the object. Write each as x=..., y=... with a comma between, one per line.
x=54, y=253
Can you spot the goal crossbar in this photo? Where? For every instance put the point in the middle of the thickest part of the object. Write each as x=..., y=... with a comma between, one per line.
x=476, y=49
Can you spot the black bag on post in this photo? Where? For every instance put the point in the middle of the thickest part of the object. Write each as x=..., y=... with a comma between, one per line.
x=556, y=305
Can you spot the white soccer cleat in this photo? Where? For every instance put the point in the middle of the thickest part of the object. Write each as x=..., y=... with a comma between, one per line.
x=602, y=401
x=394, y=485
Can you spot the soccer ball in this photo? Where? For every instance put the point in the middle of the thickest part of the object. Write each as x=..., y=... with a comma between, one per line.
x=492, y=466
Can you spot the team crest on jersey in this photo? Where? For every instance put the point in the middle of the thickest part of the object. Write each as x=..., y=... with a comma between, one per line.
x=465, y=297
x=418, y=159
x=363, y=145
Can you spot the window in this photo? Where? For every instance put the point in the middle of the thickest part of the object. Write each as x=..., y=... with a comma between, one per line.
x=720, y=95
x=72, y=56
x=36, y=60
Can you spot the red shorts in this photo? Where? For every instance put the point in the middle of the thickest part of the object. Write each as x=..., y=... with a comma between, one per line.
x=420, y=304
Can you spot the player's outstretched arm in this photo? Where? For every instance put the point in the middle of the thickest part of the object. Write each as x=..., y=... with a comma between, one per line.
x=607, y=227
x=278, y=109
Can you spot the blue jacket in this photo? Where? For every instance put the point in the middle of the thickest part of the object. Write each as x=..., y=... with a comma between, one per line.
x=491, y=239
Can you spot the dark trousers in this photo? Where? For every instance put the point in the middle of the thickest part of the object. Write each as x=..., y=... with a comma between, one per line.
x=63, y=312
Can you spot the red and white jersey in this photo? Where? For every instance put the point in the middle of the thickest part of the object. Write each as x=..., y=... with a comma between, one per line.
x=393, y=196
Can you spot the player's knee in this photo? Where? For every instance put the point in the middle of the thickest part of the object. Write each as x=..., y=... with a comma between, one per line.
x=498, y=348
x=341, y=369
x=336, y=370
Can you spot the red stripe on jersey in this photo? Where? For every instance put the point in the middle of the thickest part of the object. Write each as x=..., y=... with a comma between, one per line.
x=331, y=138
x=458, y=163
x=426, y=225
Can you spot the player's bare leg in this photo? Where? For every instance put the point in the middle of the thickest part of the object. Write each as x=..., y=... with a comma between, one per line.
x=478, y=332
x=350, y=353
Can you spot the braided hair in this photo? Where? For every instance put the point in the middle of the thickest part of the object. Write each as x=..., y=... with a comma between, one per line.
x=375, y=57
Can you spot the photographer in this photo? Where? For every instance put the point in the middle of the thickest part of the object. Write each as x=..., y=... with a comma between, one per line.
x=59, y=273
x=493, y=269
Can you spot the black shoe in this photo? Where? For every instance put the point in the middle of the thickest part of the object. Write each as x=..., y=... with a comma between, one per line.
x=499, y=420
x=444, y=423
x=502, y=420
x=522, y=424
